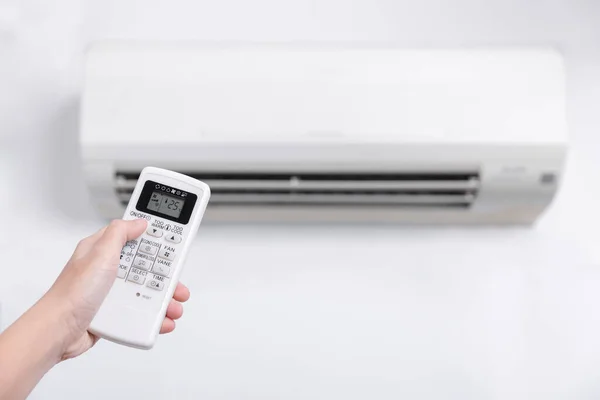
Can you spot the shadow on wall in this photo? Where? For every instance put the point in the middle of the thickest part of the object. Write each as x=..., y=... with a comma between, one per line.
x=62, y=166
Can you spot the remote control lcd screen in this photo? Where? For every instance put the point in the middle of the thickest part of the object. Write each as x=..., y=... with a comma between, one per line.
x=165, y=204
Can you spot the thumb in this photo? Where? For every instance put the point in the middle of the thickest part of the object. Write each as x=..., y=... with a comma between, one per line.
x=116, y=235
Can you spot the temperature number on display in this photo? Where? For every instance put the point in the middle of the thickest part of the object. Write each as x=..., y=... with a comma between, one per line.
x=166, y=204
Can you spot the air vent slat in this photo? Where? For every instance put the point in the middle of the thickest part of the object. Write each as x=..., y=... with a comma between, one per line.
x=471, y=184
x=324, y=176
x=338, y=198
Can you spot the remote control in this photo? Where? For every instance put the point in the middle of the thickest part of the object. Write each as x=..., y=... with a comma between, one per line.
x=150, y=265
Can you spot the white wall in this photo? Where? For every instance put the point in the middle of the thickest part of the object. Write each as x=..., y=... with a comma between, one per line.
x=315, y=312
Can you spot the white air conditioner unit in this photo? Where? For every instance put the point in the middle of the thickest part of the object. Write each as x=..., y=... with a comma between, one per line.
x=325, y=133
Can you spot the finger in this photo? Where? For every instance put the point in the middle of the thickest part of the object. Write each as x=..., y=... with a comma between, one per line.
x=168, y=326
x=174, y=310
x=182, y=293
x=117, y=233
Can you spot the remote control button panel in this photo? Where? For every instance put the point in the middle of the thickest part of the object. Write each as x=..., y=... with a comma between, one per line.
x=148, y=260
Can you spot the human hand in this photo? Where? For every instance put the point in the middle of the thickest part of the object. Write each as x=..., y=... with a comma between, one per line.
x=86, y=279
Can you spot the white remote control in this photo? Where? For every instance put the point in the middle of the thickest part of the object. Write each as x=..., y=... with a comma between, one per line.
x=173, y=204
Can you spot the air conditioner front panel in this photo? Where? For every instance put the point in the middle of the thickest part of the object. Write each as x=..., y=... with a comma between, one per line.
x=254, y=94
x=330, y=133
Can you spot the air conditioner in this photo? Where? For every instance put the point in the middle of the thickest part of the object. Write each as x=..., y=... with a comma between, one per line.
x=330, y=133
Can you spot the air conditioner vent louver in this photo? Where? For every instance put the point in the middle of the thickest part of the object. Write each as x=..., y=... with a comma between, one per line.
x=427, y=189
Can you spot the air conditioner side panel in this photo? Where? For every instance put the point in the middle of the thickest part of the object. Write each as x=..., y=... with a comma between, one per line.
x=521, y=187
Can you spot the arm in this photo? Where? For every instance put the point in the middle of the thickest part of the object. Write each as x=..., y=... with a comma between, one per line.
x=55, y=328
x=31, y=347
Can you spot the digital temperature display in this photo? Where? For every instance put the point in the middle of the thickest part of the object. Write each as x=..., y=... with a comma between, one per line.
x=163, y=203
x=167, y=201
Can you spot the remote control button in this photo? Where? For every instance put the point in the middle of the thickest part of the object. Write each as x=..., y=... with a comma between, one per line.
x=137, y=276
x=142, y=263
x=167, y=254
x=173, y=238
x=122, y=271
x=161, y=270
x=154, y=284
x=146, y=257
x=154, y=232
x=148, y=249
